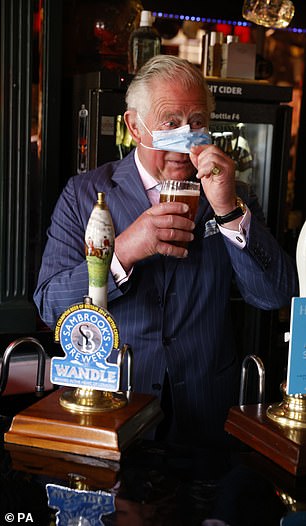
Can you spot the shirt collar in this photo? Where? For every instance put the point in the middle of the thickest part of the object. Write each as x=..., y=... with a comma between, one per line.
x=147, y=180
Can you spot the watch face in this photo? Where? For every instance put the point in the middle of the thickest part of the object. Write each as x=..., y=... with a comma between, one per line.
x=241, y=204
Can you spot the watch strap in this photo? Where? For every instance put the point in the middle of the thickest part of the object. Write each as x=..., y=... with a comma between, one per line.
x=239, y=211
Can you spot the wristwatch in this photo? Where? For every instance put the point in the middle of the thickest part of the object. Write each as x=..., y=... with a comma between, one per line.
x=239, y=211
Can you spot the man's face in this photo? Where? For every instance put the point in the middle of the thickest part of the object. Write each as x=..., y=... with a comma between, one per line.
x=169, y=109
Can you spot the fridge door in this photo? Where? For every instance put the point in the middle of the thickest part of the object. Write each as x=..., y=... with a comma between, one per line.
x=263, y=117
x=260, y=145
x=102, y=95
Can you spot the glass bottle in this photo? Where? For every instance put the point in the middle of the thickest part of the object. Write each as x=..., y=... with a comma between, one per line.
x=144, y=43
x=215, y=54
x=242, y=151
x=230, y=40
x=228, y=143
x=217, y=139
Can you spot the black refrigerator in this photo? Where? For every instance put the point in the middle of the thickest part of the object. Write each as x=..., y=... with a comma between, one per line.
x=252, y=121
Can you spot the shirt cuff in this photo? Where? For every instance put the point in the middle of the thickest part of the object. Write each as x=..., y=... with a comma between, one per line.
x=238, y=237
x=118, y=272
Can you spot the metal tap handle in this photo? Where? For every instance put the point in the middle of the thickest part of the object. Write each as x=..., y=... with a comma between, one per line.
x=244, y=378
x=126, y=349
x=40, y=379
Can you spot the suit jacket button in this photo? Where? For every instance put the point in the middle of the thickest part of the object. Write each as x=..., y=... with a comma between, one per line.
x=157, y=387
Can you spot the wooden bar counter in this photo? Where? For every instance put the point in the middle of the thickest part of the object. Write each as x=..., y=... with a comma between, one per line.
x=153, y=484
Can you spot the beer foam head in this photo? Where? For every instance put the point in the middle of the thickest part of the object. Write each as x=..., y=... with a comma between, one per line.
x=173, y=187
x=188, y=191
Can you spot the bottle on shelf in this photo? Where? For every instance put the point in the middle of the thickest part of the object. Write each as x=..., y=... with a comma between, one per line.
x=204, y=57
x=215, y=54
x=217, y=139
x=144, y=43
x=242, y=155
x=228, y=137
x=230, y=40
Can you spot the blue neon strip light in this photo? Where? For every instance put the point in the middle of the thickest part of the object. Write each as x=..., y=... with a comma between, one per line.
x=173, y=16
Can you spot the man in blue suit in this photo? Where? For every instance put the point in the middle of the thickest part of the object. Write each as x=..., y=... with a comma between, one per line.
x=174, y=311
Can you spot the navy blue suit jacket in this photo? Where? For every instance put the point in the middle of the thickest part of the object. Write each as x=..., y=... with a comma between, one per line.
x=175, y=313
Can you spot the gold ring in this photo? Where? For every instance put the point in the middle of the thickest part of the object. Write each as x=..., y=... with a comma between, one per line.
x=216, y=170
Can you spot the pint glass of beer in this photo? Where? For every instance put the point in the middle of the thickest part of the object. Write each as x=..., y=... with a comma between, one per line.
x=184, y=191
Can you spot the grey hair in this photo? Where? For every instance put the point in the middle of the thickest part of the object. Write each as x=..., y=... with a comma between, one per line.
x=165, y=68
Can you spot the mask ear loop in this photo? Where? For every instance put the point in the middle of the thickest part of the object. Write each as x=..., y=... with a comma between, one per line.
x=150, y=147
x=144, y=145
x=138, y=116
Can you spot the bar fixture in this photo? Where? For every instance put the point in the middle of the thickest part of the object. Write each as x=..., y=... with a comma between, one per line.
x=269, y=13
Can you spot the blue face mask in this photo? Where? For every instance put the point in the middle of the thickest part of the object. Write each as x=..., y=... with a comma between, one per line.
x=178, y=140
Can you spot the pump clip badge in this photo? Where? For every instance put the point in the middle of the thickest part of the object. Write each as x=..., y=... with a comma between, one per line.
x=87, y=334
x=79, y=506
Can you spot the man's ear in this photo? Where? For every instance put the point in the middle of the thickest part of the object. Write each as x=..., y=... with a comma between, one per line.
x=131, y=121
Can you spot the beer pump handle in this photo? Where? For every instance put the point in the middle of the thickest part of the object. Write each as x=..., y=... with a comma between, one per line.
x=301, y=268
x=99, y=248
x=301, y=260
x=295, y=384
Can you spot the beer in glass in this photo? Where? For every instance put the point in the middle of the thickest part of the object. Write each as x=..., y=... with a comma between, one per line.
x=183, y=191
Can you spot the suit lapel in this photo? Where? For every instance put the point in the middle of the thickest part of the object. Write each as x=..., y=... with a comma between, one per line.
x=128, y=200
x=127, y=192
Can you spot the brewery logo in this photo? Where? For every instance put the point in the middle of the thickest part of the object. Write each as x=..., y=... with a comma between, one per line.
x=87, y=334
x=79, y=506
